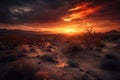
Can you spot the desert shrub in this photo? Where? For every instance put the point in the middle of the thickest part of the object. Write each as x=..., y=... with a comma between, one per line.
x=118, y=46
x=101, y=45
x=111, y=56
x=73, y=50
x=6, y=46
x=45, y=76
x=94, y=74
x=85, y=77
x=21, y=71
x=111, y=62
x=98, y=49
x=48, y=58
x=48, y=50
x=73, y=64
x=23, y=51
x=30, y=45
x=91, y=72
x=8, y=58
x=20, y=55
x=90, y=77
x=32, y=50
x=42, y=76
x=90, y=39
x=49, y=46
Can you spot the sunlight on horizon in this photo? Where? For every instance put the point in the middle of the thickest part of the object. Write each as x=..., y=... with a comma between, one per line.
x=67, y=31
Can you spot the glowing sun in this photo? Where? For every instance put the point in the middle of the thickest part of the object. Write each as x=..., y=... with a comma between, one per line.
x=69, y=31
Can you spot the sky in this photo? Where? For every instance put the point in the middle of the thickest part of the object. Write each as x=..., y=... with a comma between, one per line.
x=60, y=15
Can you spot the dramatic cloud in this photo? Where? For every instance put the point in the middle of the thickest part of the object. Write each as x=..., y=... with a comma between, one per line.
x=59, y=11
x=49, y=10
x=32, y=10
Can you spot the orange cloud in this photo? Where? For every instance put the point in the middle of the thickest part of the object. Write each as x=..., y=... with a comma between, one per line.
x=80, y=6
x=80, y=12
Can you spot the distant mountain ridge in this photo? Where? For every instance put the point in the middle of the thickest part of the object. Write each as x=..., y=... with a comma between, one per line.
x=113, y=31
x=17, y=31
x=23, y=32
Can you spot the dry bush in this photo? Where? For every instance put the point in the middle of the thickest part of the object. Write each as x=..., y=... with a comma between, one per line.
x=73, y=50
x=98, y=49
x=90, y=75
x=118, y=46
x=111, y=56
x=46, y=76
x=22, y=70
x=100, y=44
x=8, y=58
x=32, y=50
x=111, y=62
x=90, y=39
x=21, y=53
x=48, y=58
x=72, y=64
x=42, y=76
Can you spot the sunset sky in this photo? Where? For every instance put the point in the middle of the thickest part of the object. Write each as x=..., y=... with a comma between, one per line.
x=57, y=16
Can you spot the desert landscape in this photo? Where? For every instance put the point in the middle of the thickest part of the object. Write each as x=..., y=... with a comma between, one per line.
x=92, y=56
x=59, y=40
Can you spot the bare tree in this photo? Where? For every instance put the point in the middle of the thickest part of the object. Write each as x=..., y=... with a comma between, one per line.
x=89, y=38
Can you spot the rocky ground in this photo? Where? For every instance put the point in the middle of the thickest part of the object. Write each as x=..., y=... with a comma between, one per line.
x=60, y=61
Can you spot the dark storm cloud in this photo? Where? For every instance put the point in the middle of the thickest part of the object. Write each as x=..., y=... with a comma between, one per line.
x=24, y=11
x=110, y=11
x=5, y=15
x=17, y=11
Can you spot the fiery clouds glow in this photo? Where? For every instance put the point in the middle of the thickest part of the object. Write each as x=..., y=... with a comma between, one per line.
x=80, y=12
x=59, y=15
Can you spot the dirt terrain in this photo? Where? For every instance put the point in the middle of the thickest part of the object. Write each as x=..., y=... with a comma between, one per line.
x=65, y=60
